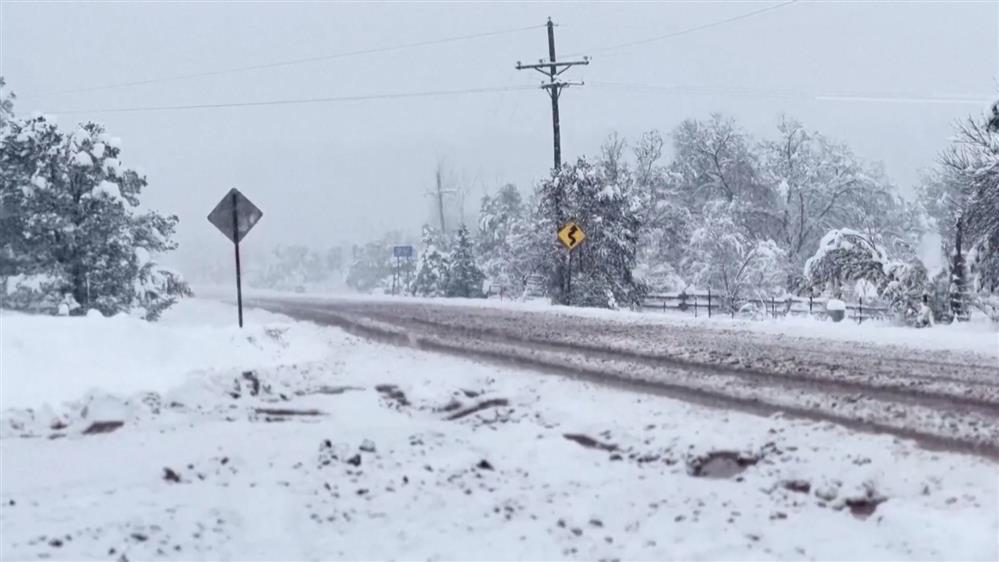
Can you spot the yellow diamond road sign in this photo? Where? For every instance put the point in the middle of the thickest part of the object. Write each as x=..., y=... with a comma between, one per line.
x=571, y=235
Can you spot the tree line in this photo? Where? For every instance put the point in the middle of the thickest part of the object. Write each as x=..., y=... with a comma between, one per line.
x=794, y=213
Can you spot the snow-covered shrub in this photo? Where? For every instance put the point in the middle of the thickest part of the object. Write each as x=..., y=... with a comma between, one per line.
x=38, y=293
x=156, y=289
x=845, y=255
x=371, y=267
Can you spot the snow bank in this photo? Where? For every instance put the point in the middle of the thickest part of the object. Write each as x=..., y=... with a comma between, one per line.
x=397, y=463
x=51, y=360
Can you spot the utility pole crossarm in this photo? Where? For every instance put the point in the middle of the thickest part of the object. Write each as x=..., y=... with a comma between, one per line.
x=559, y=85
x=548, y=65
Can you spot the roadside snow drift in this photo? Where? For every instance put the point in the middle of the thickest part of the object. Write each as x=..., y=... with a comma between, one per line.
x=48, y=360
x=331, y=447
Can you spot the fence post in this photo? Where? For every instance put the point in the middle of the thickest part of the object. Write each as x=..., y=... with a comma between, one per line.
x=810, y=304
x=860, y=311
x=695, y=305
x=709, y=302
x=773, y=307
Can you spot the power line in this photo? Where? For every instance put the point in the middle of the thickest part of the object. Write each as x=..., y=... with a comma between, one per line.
x=331, y=99
x=688, y=30
x=288, y=62
x=887, y=97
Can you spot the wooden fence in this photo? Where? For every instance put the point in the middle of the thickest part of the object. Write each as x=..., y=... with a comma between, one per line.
x=711, y=303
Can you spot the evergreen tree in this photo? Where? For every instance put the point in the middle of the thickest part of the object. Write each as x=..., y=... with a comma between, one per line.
x=71, y=227
x=432, y=272
x=464, y=278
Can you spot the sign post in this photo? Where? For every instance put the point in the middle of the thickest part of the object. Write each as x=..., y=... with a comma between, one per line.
x=235, y=215
x=571, y=235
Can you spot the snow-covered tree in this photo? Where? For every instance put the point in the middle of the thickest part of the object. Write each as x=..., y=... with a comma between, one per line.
x=501, y=218
x=722, y=257
x=715, y=160
x=71, y=224
x=464, y=278
x=818, y=185
x=431, y=277
x=665, y=220
x=973, y=163
x=961, y=196
x=607, y=210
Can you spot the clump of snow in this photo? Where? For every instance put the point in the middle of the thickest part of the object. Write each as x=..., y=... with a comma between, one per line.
x=835, y=304
x=113, y=166
x=83, y=159
x=33, y=282
x=107, y=189
x=80, y=137
x=931, y=254
x=35, y=115
x=142, y=255
x=98, y=150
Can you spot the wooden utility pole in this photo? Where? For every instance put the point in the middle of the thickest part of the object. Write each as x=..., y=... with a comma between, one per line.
x=553, y=68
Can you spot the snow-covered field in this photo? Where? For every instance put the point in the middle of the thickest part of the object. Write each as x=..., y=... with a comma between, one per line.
x=290, y=441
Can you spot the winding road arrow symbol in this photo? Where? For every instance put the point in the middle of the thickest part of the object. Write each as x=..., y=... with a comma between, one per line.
x=571, y=235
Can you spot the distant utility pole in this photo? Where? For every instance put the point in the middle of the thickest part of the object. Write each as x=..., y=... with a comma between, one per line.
x=553, y=69
x=439, y=194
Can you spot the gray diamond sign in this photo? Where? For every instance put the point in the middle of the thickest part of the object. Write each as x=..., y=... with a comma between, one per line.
x=235, y=215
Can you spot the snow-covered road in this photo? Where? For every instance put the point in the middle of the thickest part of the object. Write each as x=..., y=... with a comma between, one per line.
x=945, y=399
x=371, y=451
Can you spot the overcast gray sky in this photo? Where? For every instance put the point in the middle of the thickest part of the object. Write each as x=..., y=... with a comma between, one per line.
x=328, y=172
